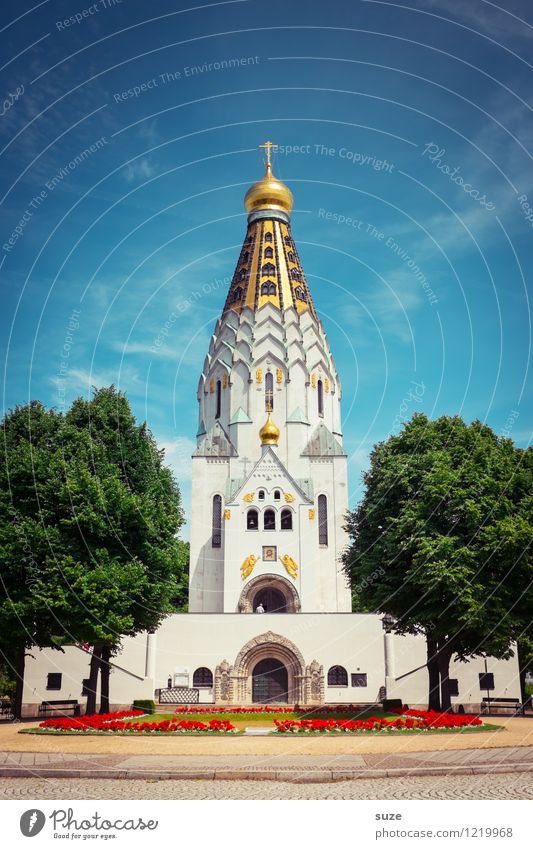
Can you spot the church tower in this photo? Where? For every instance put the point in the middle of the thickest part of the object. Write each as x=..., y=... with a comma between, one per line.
x=269, y=475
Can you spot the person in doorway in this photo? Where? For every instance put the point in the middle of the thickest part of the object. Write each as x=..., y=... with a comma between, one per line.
x=259, y=608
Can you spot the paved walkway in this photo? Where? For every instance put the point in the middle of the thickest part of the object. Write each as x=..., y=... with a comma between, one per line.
x=280, y=767
x=506, y=786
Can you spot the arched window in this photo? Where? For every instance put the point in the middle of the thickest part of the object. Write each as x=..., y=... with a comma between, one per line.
x=300, y=294
x=322, y=520
x=291, y=256
x=202, y=677
x=216, y=533
x=261, y=495
x=268, y=288
x=252, y=520
x=337, y=677
x=286, y=520
x=268, y=237
x=287, y=240
x=269, y=520
x=244, y=258
x=320, y=396
x=219, y=399
x=269, y=391
x=242, y=273
x=277, y=495
x=237, y=294
x=295, y=274
x=269, y=253
x=268, y=268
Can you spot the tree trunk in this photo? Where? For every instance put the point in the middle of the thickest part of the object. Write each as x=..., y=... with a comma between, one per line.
x=19, y=688
x=444, y=657
x=93, y=681
x=104, y=679
x=433, y=673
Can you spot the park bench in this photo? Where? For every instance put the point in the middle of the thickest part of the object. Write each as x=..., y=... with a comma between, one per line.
x=489, y=702
x=61, y=705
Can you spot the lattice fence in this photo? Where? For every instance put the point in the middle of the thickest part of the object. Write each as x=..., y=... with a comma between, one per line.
x=179, y=696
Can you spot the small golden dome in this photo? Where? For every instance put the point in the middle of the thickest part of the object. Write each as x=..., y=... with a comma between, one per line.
x=269, y=433
x=269, y=193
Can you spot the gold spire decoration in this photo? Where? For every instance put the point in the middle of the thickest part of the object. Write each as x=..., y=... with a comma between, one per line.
x=269, y=433
x=269, y=193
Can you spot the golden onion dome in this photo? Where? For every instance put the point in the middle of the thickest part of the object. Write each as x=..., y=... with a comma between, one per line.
x=269, y=433
x=269, y=193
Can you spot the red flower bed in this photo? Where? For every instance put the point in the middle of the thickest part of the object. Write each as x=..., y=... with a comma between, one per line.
x=115, y=722
x=411, y=720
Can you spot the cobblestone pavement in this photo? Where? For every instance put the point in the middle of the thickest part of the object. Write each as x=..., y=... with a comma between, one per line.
x=505, y=786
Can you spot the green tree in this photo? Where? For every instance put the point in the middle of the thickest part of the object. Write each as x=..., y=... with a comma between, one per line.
x=442, y=541
x=101, y=513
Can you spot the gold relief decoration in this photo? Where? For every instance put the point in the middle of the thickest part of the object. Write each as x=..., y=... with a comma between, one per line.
x=225, y=380
x=289, y=498
x=279, y=375
x=313, y=380
x=227, y=514
x=211, y=386
x=290, y=565
x=249, y=497
x=311, y=514
x=259, y=375
x=326, y=384
x=247, y=566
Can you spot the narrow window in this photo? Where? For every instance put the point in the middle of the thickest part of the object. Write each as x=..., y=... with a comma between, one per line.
x=202, y=677
x=453, y=686
x=268, y=288
x=252, y=520
x=286, y=520
x=269, y=520
x=337, y=677
x=53, y=680
x=268, y=268
x=269, y=253
x=322, y=520
x=320, y=396
x=269, y=392
x=219, y=399
x=216, y=533
x=268, y=237
x=261, y=495
x=277, y=495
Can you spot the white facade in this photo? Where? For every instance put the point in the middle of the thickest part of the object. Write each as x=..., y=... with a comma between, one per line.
x=269, y=604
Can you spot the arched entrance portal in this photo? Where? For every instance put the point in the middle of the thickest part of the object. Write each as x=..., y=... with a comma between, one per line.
x=270, y=682
x=279, y=594
x=271, y=599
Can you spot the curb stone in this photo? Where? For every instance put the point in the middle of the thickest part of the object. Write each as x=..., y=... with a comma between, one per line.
x=303, y=777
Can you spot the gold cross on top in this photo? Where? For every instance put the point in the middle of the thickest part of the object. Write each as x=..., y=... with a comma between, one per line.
x=269, y=146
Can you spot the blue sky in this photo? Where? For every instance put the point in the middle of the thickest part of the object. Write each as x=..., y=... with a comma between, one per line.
x=129, y=134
